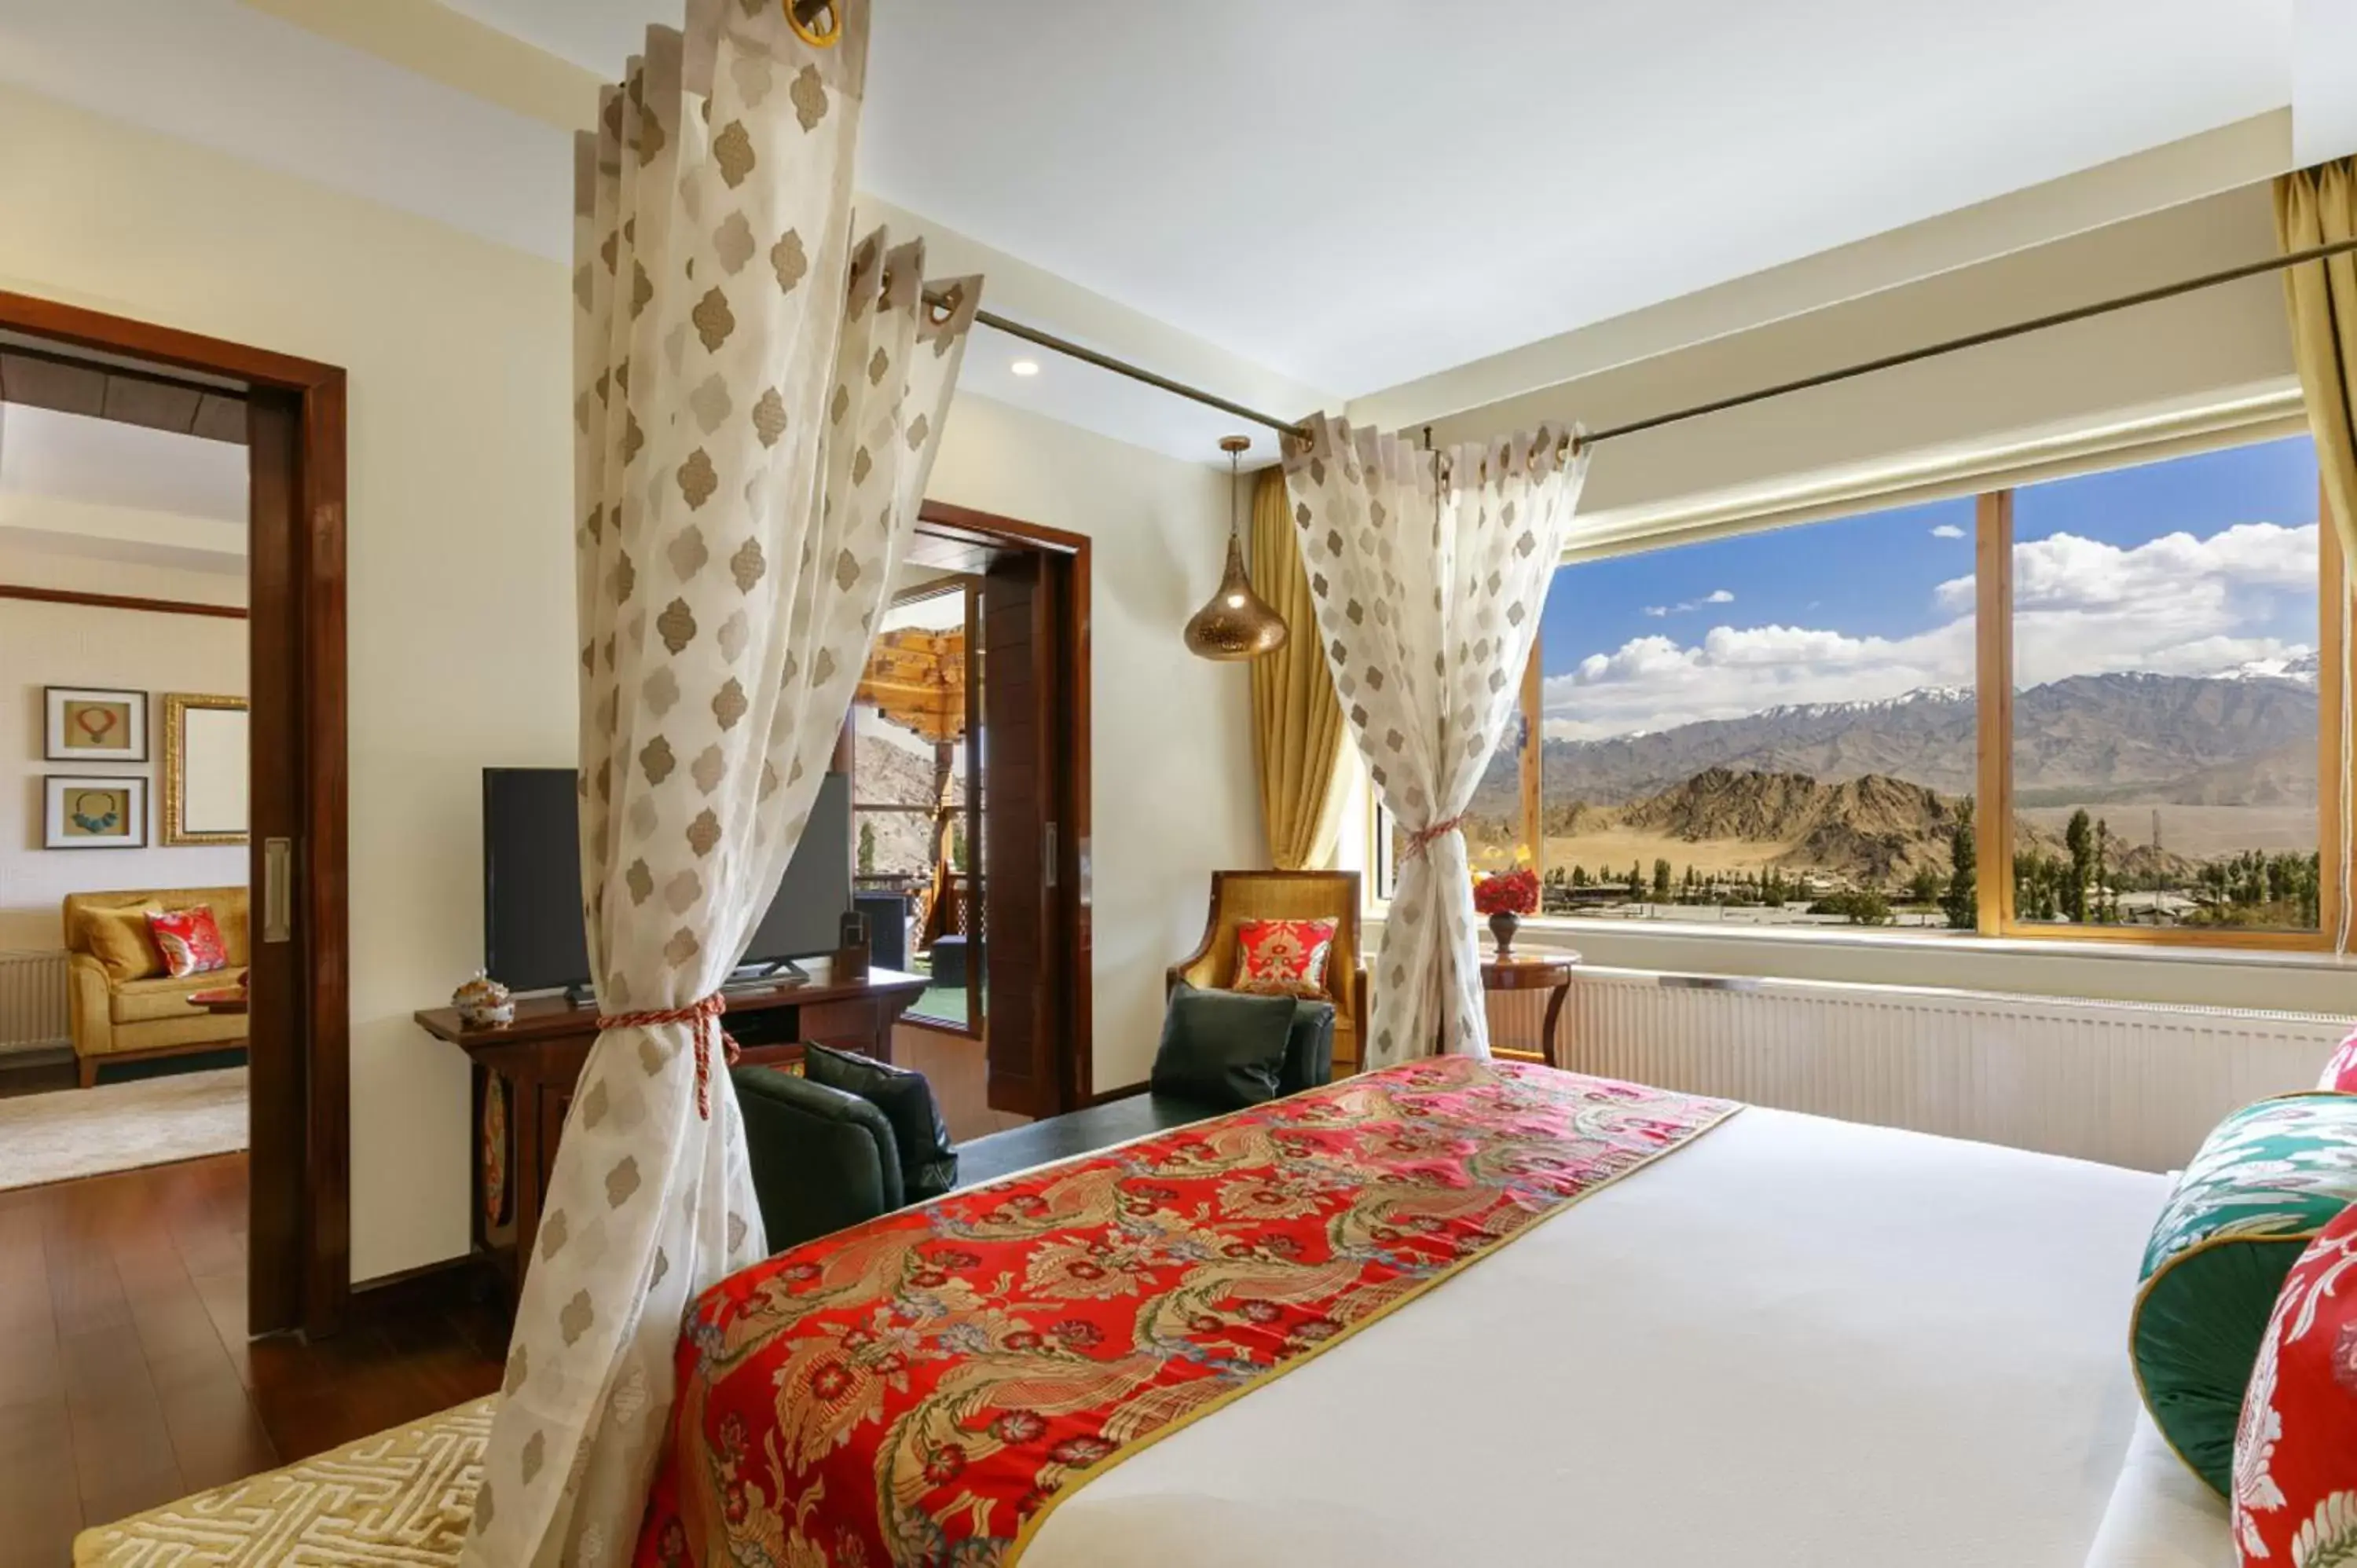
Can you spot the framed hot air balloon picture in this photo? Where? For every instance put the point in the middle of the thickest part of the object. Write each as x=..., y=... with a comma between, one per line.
x=93, y=724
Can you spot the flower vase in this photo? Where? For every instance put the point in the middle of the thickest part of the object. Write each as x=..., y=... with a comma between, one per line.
x=1502, y=927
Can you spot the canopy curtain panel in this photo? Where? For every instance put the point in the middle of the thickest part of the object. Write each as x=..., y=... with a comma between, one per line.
x=1297, y=736
x=1428, y=571
x=758, y=402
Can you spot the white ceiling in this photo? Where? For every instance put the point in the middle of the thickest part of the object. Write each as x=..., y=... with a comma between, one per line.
x=227, y=76
x=1334, y=196
x=100, y=488
x=1358, y=192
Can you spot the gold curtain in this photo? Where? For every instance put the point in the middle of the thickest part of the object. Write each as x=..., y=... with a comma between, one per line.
x=2319, y=207
x=1297, y=724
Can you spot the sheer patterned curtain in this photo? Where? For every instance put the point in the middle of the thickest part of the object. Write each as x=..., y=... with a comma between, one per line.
x=758, y=404
x=1428, y=571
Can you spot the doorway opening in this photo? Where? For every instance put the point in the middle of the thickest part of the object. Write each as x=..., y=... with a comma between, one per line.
x=968, y=749
x=212, y=779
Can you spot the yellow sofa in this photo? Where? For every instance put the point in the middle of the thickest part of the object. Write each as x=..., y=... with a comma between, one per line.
x=124, y=1005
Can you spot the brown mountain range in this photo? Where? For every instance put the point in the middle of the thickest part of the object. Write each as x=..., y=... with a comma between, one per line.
x=2214, y=740
x=1874, y=831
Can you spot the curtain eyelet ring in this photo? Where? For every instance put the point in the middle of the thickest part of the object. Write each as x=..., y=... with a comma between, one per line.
x=803, y=15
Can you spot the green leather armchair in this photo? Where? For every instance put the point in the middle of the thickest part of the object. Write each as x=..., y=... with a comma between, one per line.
x=821, y=1158
x=824, y=1159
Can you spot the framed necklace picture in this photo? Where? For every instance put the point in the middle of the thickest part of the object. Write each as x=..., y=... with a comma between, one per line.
x=94, y=811
x=88, y=724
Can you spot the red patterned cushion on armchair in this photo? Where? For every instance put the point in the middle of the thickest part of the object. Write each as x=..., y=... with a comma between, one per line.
x=2295, y=1496
x=189, y=940
x=1282, y=958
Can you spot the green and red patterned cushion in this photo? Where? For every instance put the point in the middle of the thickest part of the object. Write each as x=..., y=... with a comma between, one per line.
x=2294, y=1499
x=2265, y=1184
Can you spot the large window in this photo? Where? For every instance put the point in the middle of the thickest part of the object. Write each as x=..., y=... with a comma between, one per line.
x=2163, y=751
x=1794, y=727
x=1772, y=729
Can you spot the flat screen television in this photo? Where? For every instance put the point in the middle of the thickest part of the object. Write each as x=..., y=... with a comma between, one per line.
x=531, y=881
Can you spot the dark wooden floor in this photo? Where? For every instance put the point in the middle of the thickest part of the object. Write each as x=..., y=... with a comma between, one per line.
x=126, y=1377
x=48, y=1076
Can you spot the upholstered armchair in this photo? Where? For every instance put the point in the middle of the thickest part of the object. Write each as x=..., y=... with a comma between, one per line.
x=1240, y=895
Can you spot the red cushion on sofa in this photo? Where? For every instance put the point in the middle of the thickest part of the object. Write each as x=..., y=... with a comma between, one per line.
x=2340, y=1072
x=2295, y=1496
x=190, y=940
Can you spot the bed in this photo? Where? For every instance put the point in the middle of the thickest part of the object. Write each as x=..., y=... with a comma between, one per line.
x=1756, y=1336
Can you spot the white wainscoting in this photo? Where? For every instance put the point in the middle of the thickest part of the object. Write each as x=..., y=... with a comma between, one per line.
x=2127, y=1083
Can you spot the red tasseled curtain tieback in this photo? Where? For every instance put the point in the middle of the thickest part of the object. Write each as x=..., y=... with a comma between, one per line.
x=704, y=1017
x=1421, y=840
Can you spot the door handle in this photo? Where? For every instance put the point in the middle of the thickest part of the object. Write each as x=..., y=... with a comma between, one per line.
x=1047, y=856
x=277, y=889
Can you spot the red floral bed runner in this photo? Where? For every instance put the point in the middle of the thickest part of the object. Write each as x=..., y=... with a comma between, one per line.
x=924, y=1388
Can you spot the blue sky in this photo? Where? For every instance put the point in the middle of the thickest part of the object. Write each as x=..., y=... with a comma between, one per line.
x=2190, y=565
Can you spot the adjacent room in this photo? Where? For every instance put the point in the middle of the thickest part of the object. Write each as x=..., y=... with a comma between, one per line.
x=124, y=935
x=888, y=782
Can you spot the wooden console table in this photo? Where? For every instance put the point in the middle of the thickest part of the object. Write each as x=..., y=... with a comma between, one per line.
x=525, y=1072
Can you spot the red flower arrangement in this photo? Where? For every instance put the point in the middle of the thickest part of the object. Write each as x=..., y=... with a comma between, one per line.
x=1514, y=892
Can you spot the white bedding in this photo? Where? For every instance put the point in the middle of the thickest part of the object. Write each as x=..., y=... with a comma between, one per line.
x=1794, y=1342
x=2161, y=1514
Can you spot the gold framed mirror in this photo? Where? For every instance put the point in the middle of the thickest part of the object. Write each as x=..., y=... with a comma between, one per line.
x=204, y=770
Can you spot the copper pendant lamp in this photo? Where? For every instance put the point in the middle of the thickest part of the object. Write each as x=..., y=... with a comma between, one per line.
x=1238, y=623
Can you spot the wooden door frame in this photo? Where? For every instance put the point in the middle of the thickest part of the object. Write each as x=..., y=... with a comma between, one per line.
x=1076, y=1064
x=298, y=1270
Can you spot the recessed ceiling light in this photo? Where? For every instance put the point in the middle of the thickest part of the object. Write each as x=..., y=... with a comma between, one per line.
x=1025, y=366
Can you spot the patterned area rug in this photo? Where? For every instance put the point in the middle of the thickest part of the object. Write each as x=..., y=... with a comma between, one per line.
x=69, y=1133
x=403, y=1496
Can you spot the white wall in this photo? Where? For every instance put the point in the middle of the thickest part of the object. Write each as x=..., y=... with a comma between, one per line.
x=1172, y=788
x=462, y=613
x=461, y=551
x=83, y=645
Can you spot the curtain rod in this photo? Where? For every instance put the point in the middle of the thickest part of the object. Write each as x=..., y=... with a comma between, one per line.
x=1135, y=373
x=1716, y=405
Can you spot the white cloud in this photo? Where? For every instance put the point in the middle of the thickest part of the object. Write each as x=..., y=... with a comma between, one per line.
x=1716, y=597
x=1947, y=530
x=2177, y=604
x=1658, y=682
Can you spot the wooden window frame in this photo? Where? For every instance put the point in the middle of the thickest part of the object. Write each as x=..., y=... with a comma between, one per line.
x=1993, y=818
x=968, y=586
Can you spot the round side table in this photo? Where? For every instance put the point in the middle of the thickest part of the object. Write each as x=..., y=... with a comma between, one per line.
x=1549, y=971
